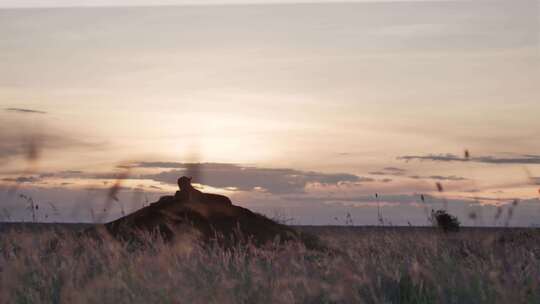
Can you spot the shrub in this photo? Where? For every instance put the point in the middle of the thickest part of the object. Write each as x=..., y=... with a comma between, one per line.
x=445, y=221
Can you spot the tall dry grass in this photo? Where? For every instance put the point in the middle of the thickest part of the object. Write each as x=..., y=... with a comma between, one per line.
x=366, y=266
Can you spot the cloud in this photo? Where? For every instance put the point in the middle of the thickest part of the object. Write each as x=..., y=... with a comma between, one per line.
x=75, y=174
x=223, y=175
x=25, y=111
x=20, y=141
x=378, y=173
x=362, y=179
x=22, y=179
x=245, y=178
x=392, y=171
x=440, y=178
x=64, y=174
x=520, y=159
x=389, y=199
x=162, y=165
x=487, y=198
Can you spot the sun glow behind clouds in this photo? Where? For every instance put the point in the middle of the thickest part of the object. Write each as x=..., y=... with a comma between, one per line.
x=325, y=88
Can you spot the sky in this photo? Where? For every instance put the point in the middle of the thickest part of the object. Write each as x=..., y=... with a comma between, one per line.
x=312, y=112
x=108, y=3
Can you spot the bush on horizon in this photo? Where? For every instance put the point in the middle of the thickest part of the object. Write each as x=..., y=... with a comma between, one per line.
x=445, y=221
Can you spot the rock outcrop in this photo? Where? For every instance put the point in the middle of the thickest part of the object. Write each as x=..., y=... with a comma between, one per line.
x=210, y=216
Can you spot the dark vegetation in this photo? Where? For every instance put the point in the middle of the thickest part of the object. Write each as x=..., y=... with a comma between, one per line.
x=445, y=221
x=362, y=265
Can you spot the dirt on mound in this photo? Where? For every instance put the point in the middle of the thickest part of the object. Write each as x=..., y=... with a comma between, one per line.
x=210, y=217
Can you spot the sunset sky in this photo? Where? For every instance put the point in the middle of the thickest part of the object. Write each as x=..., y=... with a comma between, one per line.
x=303, y=111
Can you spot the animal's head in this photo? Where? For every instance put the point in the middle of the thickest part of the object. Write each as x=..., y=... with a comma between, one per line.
x=184, y=183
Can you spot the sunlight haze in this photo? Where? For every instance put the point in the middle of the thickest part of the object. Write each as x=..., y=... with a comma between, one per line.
x=352, y=99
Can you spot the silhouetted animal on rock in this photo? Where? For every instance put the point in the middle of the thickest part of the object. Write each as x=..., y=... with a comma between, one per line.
x=190, y=194
x=209, y=215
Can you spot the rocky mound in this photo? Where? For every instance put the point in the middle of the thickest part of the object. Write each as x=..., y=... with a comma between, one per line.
x=212, y=217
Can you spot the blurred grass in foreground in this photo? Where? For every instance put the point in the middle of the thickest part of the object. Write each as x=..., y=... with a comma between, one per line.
x=398, y=265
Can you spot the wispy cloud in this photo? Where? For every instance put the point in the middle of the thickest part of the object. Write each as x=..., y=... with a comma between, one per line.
x=25, y=111
x=520, y=159
x=22, y=179
x=21, y=141
x=247, y=178
x=221, y=175
x=393, y=171
x=393, y=199
x=440, y=177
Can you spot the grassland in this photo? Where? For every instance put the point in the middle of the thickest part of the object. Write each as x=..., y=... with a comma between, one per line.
x=362, y=265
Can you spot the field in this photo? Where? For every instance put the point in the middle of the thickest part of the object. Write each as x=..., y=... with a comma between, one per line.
x=49, y=264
